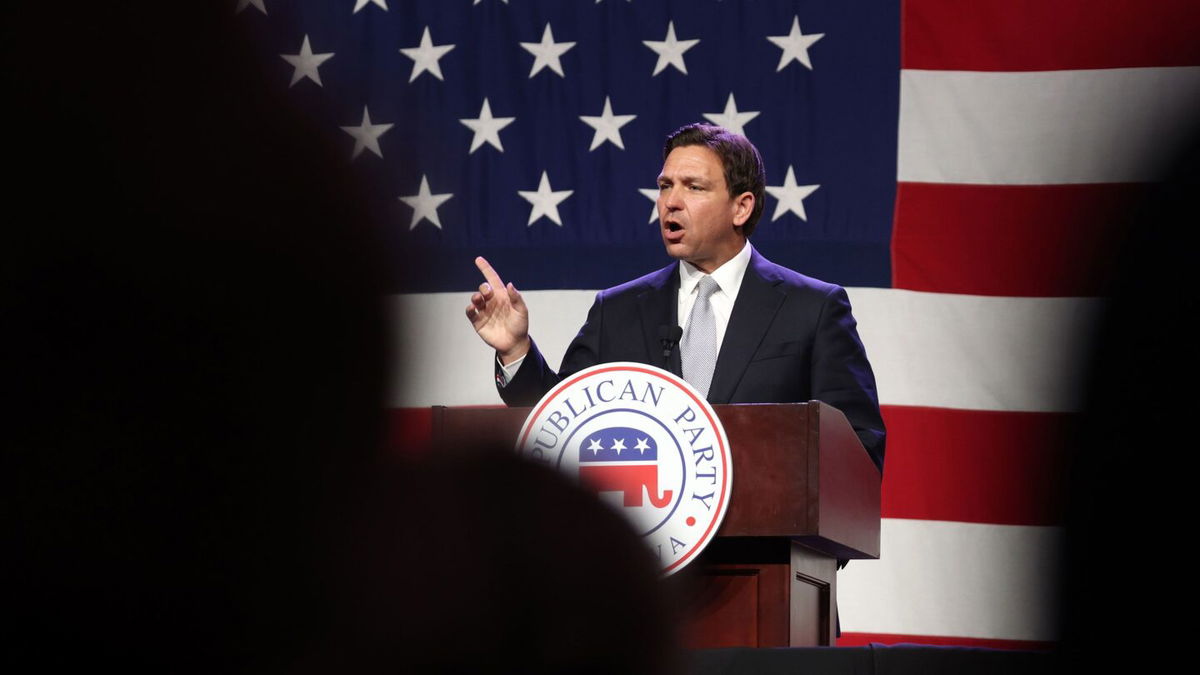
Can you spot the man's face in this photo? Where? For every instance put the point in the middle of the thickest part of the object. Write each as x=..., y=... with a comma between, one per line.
x=695, y=211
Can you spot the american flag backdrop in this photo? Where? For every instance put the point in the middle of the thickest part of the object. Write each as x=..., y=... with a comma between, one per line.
x=955, y=165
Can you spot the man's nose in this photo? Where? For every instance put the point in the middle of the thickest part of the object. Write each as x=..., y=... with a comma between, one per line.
x=670, y=199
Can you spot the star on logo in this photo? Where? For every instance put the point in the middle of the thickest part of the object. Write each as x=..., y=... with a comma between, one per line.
x=359, y=4
x=243, y=4
x=607, y=126
x=731, y=119
x=670, y=51
x=795, y=45
x=642, y=445
x=652, y=195
x=306, y=63
x=618, y=445
x=425, y=204
x=425, y=56
x=486, y=128
x=545, y=201
x=366, y=135
x=790, y=196
x=594, y=446
x=547, y=52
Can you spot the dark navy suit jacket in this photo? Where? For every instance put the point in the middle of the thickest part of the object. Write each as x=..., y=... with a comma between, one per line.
x=790, y=338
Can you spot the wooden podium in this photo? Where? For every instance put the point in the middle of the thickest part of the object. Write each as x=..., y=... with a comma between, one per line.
x=805, y=494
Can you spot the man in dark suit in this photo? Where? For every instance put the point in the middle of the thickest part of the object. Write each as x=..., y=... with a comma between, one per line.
x=753, y=332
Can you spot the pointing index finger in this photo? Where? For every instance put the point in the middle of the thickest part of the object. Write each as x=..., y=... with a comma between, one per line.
x=488, y=273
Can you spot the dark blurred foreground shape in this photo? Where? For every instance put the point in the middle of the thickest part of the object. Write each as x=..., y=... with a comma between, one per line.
x=516, y=571
x=195, y=350
x=1131, y=489
x=195, y=355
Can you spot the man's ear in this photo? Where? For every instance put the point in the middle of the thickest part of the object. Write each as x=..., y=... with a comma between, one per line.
x=743, y=206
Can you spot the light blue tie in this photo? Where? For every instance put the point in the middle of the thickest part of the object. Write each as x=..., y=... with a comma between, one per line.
x=698, y=349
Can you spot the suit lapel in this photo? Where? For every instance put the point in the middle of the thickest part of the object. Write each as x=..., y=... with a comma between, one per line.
x=757, y=303
x=658, y=307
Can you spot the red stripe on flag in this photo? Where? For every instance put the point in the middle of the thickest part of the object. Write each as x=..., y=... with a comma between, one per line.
x=1015, y=35
x=864, y=639
x=1009, y=240
x=976, y=466
x=410, y=430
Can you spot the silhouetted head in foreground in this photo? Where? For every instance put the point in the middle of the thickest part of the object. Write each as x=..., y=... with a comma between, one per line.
x=195, y=339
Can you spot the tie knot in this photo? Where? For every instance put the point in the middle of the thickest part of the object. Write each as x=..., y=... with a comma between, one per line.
x=706, y=287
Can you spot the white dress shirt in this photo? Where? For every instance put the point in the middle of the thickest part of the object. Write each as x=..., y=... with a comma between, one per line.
x=728, y=278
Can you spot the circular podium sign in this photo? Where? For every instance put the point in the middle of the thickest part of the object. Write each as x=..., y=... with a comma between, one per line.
x=646, y=443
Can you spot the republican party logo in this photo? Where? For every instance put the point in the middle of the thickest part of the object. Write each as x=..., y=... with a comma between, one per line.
x=647, y=443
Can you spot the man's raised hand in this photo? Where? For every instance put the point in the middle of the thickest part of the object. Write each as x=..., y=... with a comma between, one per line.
x=499, y=315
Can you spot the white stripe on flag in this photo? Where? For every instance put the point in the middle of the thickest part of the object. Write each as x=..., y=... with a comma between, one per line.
x=441, y=361
x=1070, y=126
x=955, y=579
x=927, y=349
x=976, y=352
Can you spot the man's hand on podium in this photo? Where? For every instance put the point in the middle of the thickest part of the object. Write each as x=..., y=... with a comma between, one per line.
x=499, y=315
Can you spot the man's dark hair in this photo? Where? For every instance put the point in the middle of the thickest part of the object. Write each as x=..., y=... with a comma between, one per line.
x=743, y=165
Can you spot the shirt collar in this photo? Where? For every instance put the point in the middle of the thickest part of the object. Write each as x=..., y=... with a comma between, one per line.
x=728, y=276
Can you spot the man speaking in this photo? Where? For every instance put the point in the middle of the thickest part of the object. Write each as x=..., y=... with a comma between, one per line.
x=752, y=331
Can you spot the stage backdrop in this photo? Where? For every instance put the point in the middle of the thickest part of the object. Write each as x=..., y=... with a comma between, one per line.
x=960, y=167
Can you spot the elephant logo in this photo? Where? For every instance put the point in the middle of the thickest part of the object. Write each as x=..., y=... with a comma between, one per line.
x=645, y=443
x=625, y=460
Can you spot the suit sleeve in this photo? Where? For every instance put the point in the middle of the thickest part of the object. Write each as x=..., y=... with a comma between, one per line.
x=842, y=376
x=535, y=377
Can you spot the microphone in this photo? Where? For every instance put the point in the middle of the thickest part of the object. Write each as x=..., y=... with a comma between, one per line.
x=669, y=336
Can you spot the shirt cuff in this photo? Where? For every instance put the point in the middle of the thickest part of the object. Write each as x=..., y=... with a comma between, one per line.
x=505, y=374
